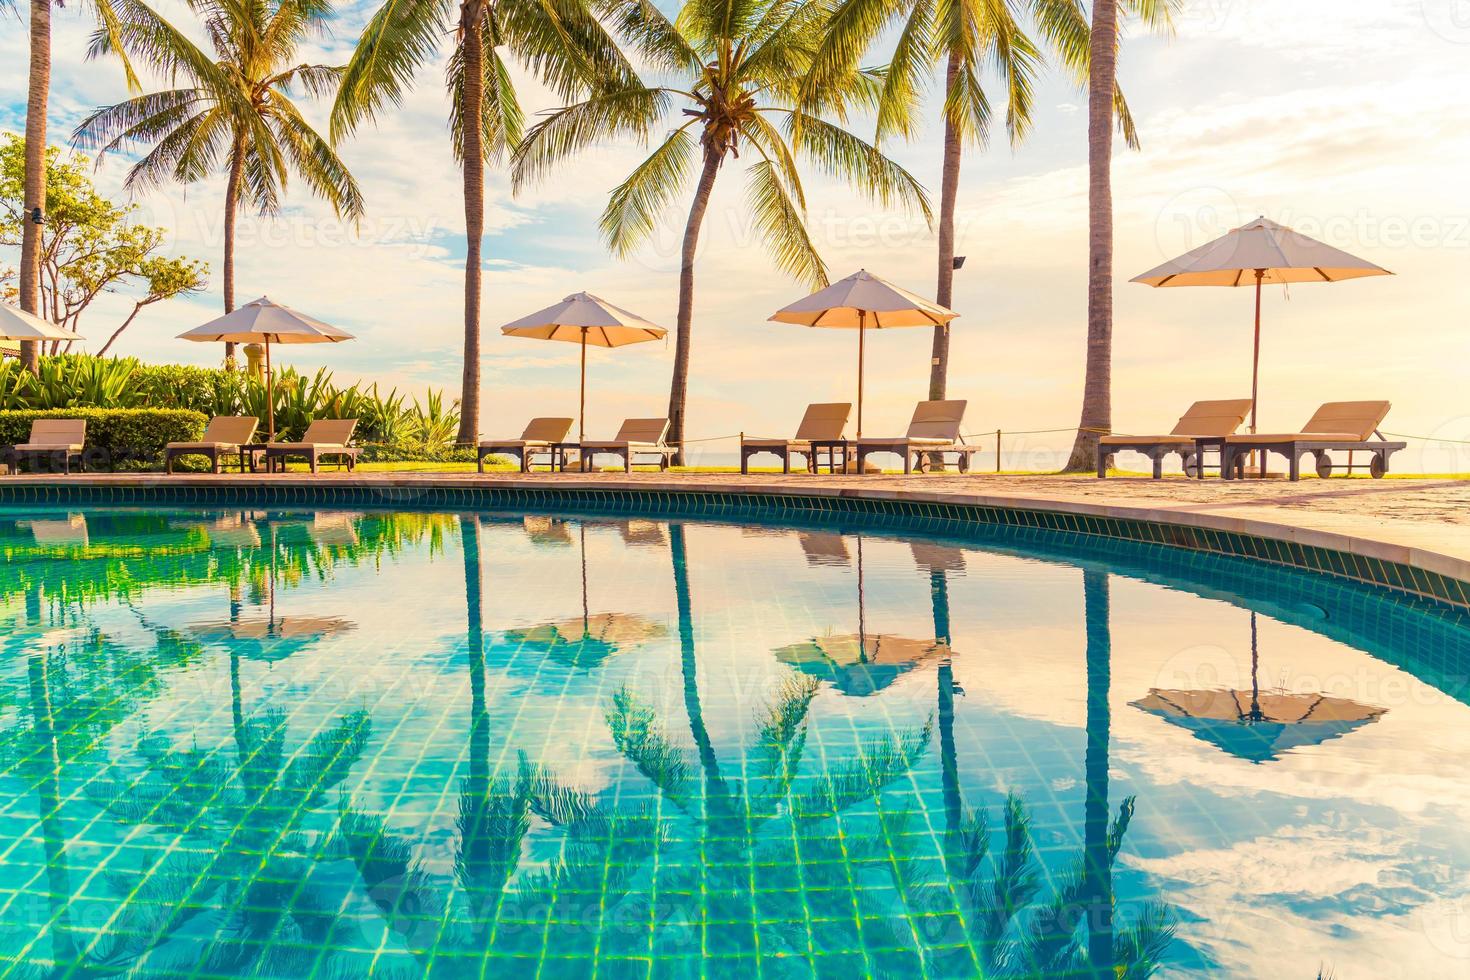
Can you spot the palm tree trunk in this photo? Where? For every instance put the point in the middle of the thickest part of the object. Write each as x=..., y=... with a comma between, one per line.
x=679, y=388
x=35, y=176
x=944, y=290
x=1097, y=861
x=1097, y=391
x=473, y=40
x=476, y=835
x=232, y=209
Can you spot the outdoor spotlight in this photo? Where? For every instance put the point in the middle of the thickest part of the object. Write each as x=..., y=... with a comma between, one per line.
x=959, y=261
x=37, y=217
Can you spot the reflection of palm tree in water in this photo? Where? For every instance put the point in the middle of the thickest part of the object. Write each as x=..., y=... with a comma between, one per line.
x=1045, y=942
x=735, y=828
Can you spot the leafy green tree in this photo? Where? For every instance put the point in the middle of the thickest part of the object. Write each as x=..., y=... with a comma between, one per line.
x=561, y=44
x=236, y=112
x=965, y=40
x=89, y=245
x=736, y=69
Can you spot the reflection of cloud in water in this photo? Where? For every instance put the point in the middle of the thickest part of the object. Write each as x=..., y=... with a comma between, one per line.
x=1346, y=894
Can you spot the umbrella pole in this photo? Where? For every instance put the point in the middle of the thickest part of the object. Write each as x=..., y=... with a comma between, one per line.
x=1256, y=354
x=1257, y=464
x=582, y=398
x=862, y=333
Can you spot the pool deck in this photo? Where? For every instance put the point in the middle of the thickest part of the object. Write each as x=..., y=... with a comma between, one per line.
x=1422, y=523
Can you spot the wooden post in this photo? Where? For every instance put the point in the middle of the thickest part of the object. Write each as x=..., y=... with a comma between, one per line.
x=270, y=393
x=582, y=396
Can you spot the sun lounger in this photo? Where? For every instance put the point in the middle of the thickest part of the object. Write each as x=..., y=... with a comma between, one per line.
x=225, y=436
x=322, y=438
x=1337, y=426
x=1204, y=426
x=543, y=437
x=822, y=429
x=637, y=437
x=58, y=439
x=934, y=430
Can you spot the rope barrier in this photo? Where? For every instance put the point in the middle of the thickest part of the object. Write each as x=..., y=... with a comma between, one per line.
x=1453, y=442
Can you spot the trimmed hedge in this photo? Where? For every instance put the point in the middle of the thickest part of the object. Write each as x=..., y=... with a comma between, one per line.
x=114, y=435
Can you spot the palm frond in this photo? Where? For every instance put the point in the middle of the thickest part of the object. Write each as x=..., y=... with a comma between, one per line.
x=839, y=153
x=145, y=118
x=401, y=36
x=634, y=205
x=853, y=28
x=318, y=164
x=781, y=224
x=564, y=132
x=652, y=35
x=906, y=77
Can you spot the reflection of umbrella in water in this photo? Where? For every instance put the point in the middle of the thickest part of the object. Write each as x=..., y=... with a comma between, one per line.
x=582, y=642
x=859, y=665
x=272, y=640
x=1255, y=725
x=862, y=663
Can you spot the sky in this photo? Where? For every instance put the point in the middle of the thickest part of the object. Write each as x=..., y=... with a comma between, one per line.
x=1345, y=121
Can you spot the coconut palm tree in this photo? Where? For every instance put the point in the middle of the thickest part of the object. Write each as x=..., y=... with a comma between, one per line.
x=1097, y=385
x=38, y=94
x=236, y=111
x=965, y=40
x=561, y=44
x=734, y=70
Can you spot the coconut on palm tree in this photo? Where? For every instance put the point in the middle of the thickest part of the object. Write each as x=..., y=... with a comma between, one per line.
x=236, y=111
x=562, y=45
x=734, y=72
x=1102, y=79
x=38, y=94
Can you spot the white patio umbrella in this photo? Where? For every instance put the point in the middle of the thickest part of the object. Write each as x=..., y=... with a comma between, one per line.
x=264, y=322
x=590, y=321
x=17, y=324
x=864, y=302
x=1256, y=254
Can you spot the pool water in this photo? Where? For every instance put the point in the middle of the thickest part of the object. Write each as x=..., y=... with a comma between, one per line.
x=332, y=744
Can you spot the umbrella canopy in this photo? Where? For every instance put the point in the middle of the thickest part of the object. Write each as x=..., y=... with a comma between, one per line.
x=17, y=324
x=1254, y=254
x=862, y=302
x=590, y=321
x=859, y=665
x=1258, y=727
x=262, y=321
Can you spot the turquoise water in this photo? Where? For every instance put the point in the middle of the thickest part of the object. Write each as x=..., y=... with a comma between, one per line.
x=338, y=744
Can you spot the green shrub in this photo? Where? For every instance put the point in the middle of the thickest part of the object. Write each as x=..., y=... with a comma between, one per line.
x=85, y=381
x=116, y=437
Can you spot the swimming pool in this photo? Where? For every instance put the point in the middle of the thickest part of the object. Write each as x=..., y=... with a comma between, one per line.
x=347, y=743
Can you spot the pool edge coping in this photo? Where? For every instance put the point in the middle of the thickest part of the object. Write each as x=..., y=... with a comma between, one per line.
x=1366, y=559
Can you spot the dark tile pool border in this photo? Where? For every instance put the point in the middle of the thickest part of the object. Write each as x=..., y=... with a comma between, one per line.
x=868, y=507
